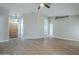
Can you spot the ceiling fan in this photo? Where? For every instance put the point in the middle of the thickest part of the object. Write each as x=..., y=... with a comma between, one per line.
x=47, y=5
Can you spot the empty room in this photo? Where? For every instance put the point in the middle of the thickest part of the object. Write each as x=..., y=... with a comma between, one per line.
x=39, y=28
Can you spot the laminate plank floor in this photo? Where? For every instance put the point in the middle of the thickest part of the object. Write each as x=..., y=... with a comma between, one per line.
x=45, y=46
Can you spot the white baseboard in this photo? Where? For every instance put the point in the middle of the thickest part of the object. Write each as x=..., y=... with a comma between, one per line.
x=50, y=37
x=32, y=37
x=4, y=40
x=65, y=38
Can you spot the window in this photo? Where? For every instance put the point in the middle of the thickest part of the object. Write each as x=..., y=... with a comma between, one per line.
x=21, y=27
x=50, y=29
x=46, y=26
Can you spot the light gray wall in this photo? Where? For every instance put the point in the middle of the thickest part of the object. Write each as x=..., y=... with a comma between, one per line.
x=33, y=26
x=67, y=28
x=4, y=35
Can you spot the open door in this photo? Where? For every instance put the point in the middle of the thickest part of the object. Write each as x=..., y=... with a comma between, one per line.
x=13, y=30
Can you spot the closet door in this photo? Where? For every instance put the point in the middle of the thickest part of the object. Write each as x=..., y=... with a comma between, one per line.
x=13, y=30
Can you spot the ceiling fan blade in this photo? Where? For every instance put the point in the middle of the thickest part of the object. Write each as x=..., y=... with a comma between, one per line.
x=38, y=7
x=46, y=5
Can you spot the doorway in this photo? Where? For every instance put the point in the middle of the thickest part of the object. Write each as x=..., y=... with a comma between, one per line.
x=16, y=29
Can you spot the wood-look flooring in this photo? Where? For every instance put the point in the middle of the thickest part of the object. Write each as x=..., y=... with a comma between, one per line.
x=46, y=46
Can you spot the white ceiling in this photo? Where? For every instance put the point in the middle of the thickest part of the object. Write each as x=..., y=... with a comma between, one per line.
x=57, y=9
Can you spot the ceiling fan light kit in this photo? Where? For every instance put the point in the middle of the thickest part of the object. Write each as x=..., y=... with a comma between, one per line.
x=47, y=5
x=41, y=5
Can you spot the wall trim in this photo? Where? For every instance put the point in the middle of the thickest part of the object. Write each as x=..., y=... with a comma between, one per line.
x=4, y=40
x=40, y=37
x=65, y=38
